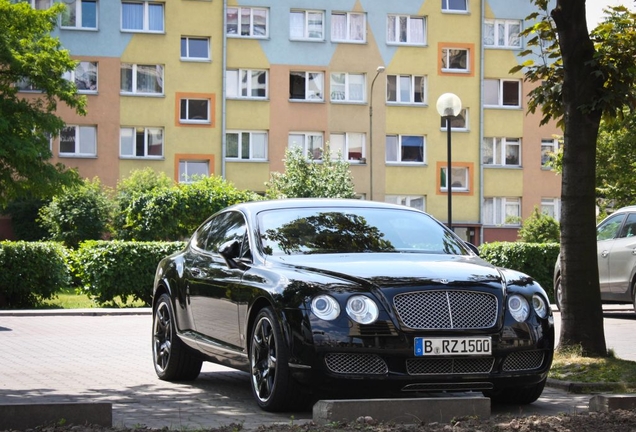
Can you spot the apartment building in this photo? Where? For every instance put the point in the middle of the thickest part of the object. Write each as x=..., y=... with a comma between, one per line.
x=224, y=87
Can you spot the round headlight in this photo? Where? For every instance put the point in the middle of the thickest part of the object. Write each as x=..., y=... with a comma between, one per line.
x=518, y=307
x=539, y=305
x=325, y=307
x=362, y=309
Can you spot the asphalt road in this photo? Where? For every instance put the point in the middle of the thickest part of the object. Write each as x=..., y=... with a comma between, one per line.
x=48, y=357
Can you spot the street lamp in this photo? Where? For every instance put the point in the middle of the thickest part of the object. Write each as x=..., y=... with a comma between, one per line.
x=378, y=71
x=448, y=106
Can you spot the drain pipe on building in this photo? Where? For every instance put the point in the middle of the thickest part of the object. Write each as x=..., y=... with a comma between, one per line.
x=223, y=116
x=481, y=125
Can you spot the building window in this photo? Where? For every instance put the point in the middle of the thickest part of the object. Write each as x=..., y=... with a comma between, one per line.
x=141, y=142
x=455, y=60
x=246, y=83
x=347, y=87
x=310, y=143
x=79, y=14
x=502, y=211
x=36, y=4
x=549, y=149
x=141, y=79
x=84, y=76
x=414, y=201
x=307, y=25
x=241, y=145
x=458, y=122
x=459, y=179
x=142, y=16
x=247, y=22
x=350, y=146
x=348, y=27
x=407, y=30
x=455, y=5
x=551, y=207
x=308, y=86
x=190, y=170
x=404, y=149
x=194, y=110
x=502, y=93
x=502, y=151
x=78, y=141
x=406, y=89
x=195, y=48
x=502, y=33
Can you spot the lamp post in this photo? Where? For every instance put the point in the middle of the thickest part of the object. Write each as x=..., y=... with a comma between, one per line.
x=448, y=106
x=378, y=71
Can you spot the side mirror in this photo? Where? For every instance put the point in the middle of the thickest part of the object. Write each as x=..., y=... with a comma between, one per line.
x=472, y=247
x=230, y=251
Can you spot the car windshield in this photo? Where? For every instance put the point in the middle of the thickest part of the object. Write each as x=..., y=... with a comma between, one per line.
x=352, y=230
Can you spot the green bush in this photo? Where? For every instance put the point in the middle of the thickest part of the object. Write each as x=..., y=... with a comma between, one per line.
x=31, y=272
x=24, y=215
x=105, y=270
x=540, y=228
x=534, y=259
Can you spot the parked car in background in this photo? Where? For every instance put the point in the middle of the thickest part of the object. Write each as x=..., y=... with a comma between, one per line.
x=616, y=252
x=347, y=296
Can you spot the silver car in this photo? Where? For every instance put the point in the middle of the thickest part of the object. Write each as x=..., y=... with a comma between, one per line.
x=616, y=253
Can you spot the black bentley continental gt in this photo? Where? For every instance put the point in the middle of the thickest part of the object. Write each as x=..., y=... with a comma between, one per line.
x=317, y=295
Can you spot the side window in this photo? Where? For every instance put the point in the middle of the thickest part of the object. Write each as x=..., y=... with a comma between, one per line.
x=229, y=226
x=629, y=229
x=609, y=228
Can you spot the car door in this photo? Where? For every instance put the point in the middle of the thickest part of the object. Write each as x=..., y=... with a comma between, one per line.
x=622, y=259
x=606, y=233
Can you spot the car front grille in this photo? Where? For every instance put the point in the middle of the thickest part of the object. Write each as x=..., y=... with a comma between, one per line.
x=448, y=366
x=359, y=364
x=523, y=360
x=446, y=309
x=438, y=387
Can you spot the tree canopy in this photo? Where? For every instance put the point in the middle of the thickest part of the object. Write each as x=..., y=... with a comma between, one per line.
x=30, y=56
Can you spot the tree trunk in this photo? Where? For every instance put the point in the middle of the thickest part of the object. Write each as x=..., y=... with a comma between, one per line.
x=582, y=314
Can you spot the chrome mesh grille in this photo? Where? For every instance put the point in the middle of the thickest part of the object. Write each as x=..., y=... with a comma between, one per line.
x=523, y=360
x=446, y=309
x=448, y=366
x=359, y=364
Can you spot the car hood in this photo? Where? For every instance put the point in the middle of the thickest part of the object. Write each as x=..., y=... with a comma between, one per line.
x=397, y=269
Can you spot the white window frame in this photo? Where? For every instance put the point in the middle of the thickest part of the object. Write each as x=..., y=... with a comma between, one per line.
x=239, y=83
x=551, y=207
x=351, y=91
x=407, y=200
x=501, y=83
x=146, y=18
x=399, y=81
x=25, y=85
x=135, y=71
x=503, y=26
x=189, y=57
x=500, y=211
x=447, y=53
x=251, y=151
x=457, y=172
x=148, y=134
x=549, y=145
x=184, y=117
x=463, y=115
x=252, y=33
x=307, y=27
x=353, y=35
x=36, y=4
x=348, y=138
x=399, y=152
x=307, y=145
x=310, y=94
x=78, y=16
x=500, y=147
x=184, y=176
x=72, y=76
x=446, y=6
x=81, y=133
x=393, y=38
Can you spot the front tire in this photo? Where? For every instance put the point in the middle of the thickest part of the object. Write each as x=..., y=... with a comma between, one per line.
x=517, y=395
x=558, y=292
x=172, y=360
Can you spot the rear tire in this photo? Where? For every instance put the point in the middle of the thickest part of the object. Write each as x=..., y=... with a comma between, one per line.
x=518, y=395
x=171, y=357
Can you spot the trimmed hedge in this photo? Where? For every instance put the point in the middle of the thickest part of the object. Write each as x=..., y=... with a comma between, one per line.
x=31, y=272
x=105, y=270
x=534, y=259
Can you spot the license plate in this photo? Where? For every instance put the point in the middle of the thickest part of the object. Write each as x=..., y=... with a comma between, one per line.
x=452, y=346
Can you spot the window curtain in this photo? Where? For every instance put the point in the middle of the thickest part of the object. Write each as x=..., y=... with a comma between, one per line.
x=260, y=22
x=513, y=35
x=392, y=148
x=259, y=84
x=355, y=146
x=357, y=28
x=88, y=140
x=297, y=25
x=155, y=141
x=126, y=73
x=405, y=89
x=337, y=146
x=356, y=87
x=231, y=145
x=246, y=17
x=417, y=31
x=259, y=145
x=488, y=212
x=315, y=86
x=489, y=33
x=132, y=16
x=338, y=26
x=155, y=17
x=245, y=145
x=314, y=25
x=231, y=88
x=126, y=141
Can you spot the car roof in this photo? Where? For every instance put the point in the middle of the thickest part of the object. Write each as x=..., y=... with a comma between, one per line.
x=630, y=208
x=290, y=203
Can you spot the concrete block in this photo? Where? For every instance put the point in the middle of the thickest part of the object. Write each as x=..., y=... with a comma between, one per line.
x=611, y=402
x=28, y=416
x=405, y=411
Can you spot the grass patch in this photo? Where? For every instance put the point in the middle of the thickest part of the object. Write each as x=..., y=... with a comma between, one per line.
x=570, y=365
x=69, y=299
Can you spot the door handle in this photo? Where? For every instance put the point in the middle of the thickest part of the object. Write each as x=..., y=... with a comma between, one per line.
x=195, y=271
x=605, y=253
